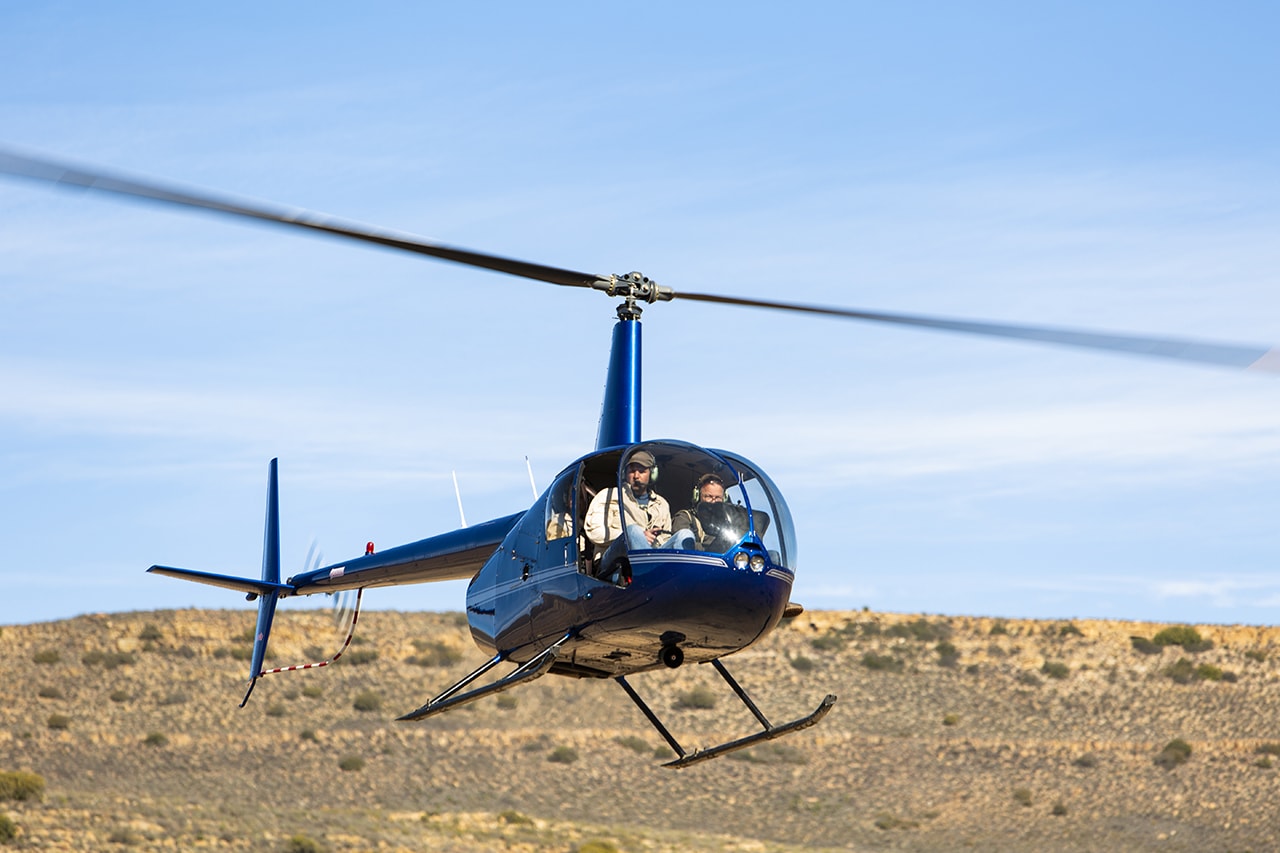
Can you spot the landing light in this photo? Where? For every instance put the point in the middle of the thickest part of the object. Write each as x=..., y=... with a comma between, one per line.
x=740, y=560
x=757, y=563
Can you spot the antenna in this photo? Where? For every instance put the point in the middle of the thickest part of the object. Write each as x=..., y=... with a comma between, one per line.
x=532, y=484
x=458, y=492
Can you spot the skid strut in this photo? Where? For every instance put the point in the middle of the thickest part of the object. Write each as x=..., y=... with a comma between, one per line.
x=450, y=698
x=770, y=731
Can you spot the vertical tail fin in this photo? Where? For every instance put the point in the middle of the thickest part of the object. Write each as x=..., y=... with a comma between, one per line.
x=270, y=574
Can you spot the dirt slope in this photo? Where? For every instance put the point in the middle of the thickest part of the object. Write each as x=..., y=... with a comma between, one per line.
x=949, y=734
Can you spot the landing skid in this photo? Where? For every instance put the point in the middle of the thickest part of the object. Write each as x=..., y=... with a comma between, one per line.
x=535, y=668
x=770, y=731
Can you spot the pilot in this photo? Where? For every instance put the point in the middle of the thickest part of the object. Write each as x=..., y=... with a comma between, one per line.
x=647, y=514
x=687, y=532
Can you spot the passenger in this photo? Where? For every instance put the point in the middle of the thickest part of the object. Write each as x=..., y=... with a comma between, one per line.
x=687, y=532
x=647, y=515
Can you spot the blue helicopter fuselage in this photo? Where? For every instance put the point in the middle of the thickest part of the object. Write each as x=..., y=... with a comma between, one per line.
x=623, y=607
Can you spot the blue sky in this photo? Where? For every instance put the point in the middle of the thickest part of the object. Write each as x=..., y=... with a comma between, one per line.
x=1070, y=164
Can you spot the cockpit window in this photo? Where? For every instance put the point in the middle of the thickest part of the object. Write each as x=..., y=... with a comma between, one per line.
x=777, y=533
x=559, y=515
x=673, y=495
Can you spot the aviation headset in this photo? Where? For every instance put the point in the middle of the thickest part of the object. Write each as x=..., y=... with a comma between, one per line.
x=702, y=481
x=645, y=458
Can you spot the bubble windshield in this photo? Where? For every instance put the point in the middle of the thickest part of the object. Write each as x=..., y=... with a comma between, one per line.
x=682, y=497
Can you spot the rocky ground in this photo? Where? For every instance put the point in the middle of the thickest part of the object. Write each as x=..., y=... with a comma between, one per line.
x=950, y=733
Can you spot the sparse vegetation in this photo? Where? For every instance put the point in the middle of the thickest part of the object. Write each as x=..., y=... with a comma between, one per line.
x=800, y=663
x=351, y=764
x=596, y=846
x=359, y=657
x=999, y=629
x=58, y=722
x=1185, y=672
x=302, y=844
x=948, y=655
x=367, y=700
x=922, y=630
x=1208, y=672
x=832, y=640
x=21, y=785
x=507, y=702
x=276, y=709
x=701, y=697
x=634, y=743
x=887, y=821
x=125, y=836
x=1056, y=670
x=1256, y=655
x=1070, y=630
x=1144, y=646
x=883, y=663
x=47, y=656
x=563, y=755
x=1182, y=635
x=8, y=829
x=434, y=653
x=969, y=720
x=1175, y=752
x=150, y=633
x=108, y=660
x=515, y=818
x=1022, y=796
x=119, y=695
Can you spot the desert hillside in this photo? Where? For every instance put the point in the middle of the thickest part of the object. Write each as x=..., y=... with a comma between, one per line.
x=950, y=733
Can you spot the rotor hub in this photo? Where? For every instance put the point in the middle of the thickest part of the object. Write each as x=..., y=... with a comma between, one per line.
x=634, y=288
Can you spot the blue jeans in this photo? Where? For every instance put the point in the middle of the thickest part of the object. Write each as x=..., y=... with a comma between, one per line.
x=637, y=541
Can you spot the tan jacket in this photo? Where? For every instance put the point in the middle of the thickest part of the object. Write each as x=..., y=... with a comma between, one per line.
x=604, y=517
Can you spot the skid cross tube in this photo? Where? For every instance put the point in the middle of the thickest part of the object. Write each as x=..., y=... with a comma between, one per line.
x=534, y=668
x=770, y=731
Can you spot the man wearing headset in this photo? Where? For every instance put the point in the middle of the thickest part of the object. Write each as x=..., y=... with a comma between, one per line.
x=647, y=514
x=687, y=532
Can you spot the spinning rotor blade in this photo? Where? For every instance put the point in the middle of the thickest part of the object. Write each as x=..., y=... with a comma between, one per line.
x=633, y=286
x=1257, y=358
x=66, y=175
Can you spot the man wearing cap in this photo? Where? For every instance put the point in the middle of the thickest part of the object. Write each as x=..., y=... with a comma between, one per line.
x=647, y=515
x=687, y=532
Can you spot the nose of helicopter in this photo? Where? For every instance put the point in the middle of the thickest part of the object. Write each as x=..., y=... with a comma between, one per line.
x=708, y=599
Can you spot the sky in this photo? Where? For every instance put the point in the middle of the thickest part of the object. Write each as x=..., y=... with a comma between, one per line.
x=1105, y=166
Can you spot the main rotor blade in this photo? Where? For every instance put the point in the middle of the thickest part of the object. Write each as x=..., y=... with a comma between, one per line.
x=63, y=174
x=1222, y=355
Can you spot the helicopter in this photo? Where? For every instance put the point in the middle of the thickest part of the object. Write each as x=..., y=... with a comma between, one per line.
x=548, y=593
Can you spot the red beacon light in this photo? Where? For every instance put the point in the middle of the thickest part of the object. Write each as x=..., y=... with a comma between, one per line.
x=368, y=548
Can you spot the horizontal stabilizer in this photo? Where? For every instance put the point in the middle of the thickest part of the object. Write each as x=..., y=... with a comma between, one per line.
x=247, y=585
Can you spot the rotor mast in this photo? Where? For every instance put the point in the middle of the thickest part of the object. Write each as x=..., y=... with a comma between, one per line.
x=620, y=409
